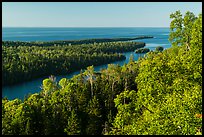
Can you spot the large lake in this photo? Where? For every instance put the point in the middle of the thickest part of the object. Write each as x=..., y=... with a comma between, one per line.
x=51, y=34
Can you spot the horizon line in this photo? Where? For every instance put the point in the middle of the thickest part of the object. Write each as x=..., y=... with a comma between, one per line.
x=83, y=27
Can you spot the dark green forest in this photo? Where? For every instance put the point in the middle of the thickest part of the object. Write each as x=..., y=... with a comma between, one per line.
x=23, y=63
x=142, y=50
x=160, y=94
x=71, y=42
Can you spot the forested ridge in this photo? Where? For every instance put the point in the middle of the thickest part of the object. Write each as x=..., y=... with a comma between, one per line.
x=23, y=63
x=160, y=94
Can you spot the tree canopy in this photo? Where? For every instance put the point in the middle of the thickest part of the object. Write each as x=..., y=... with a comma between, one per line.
x=160, y=94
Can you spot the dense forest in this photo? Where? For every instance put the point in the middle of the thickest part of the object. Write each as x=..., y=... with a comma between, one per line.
x=160, y=94
x=71, y=42
x=23, y=63
x=142, y=50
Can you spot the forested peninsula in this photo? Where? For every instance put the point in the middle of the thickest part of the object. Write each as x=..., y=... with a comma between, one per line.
x=71, y=42
x=160, y=94
x=23, y=63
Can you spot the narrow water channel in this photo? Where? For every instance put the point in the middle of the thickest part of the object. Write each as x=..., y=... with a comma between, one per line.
x=23, y=89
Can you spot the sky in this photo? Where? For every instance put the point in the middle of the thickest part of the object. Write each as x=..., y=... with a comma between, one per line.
x=93, y=14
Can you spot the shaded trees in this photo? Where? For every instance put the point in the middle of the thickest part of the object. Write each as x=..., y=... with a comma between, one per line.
x=23, y=63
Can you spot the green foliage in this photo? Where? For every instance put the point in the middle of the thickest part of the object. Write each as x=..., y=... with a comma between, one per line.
x=71, y=42
x=63, y=83
x=196, y=32
x=94, y=121
x=72, y=127
x=160, y=94
x=176, y=26
x=23, y=63
x=142, y=50
x=169, y=96
x=181, y=28
x=159, y=48
x=11, y=117
x=68, y=107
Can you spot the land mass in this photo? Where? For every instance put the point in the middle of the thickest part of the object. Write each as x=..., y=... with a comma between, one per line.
x=25, y=61
x=71, y=42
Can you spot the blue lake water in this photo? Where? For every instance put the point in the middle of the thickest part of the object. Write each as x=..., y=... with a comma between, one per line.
x=51, y=34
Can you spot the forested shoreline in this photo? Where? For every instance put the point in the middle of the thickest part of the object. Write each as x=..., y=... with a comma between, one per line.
x=160, y=94
x=71, y=42
x=23, y=63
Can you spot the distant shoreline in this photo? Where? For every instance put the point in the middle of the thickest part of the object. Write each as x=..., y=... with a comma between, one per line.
x=71, y=42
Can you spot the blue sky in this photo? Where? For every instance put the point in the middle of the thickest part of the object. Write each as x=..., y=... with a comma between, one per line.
x=93, y=14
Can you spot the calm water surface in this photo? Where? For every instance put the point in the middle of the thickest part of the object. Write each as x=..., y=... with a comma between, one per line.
x=51, y=34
